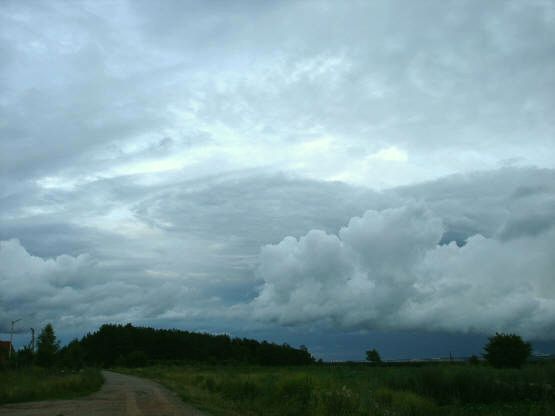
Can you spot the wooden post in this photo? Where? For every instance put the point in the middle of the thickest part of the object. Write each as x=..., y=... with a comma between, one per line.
x=11, y=339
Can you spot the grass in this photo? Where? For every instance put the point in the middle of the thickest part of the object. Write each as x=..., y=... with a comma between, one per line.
x=32, y=384
x=457, y=390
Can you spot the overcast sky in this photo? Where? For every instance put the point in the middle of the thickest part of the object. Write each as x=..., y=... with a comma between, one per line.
x=358, y=172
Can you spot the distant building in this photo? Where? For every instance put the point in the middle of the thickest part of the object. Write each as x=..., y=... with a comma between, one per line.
x=5, y=347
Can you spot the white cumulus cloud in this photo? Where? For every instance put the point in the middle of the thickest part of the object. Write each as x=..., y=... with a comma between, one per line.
x=386, y=270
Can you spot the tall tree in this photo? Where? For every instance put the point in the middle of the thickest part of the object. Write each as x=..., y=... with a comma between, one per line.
x=47, y=347
x=72, y=355
x=507, y=350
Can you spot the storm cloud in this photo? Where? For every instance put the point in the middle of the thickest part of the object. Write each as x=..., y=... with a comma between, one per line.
x=345, y=267
x=348, y=165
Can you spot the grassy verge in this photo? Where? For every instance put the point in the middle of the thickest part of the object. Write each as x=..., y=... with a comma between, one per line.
x=361, y=390
x=32, y=384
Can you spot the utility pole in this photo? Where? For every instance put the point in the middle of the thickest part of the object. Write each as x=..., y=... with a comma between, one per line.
x=11, y=339
x=33, y=340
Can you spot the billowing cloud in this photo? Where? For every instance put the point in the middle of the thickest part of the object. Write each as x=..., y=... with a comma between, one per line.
x=425, y=256
x=82, y=291
x=387, y=270
x=148, y=152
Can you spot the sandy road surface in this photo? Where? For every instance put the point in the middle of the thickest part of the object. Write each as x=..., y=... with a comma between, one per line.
x=121, y=395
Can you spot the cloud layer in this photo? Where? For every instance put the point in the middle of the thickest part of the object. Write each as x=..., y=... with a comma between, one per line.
x=388, y=270
x=376, y=94
x=149, y=151
x=467, y=253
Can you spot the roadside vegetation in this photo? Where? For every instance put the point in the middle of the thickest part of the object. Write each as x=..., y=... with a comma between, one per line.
x=504, y=383
x=35, y=383
x=47, y=373
x=236, y=376
x=362, y=389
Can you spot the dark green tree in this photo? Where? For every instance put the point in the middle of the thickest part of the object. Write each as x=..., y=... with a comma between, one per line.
x=47, y=347
x=25, y=356
x=373, y=356
x=112, y=345
x=72, y=355
x=506, y=350
x=136, y=359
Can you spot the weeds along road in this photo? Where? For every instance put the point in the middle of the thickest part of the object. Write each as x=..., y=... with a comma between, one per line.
x=121, y=395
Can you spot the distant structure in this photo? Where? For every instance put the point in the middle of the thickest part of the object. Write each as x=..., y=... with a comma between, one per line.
x=6, y=349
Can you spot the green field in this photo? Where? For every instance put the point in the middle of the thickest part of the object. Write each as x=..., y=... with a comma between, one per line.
x=40, y=384
x=447, y=389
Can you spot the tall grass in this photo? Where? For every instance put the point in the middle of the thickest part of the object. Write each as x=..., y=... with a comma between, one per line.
x=456, y=390
x=31, y=384
x=465, y=384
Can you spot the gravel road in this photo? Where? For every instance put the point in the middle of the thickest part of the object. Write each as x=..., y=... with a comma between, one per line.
x=121, y=395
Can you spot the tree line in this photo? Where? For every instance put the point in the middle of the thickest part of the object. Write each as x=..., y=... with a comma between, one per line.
x=501, y=351
x=128, y=345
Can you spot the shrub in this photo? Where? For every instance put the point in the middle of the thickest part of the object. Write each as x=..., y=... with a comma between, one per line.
x=507, y=350
x=373, y=356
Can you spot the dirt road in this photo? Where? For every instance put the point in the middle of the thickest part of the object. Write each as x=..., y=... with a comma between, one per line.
x=120, y=395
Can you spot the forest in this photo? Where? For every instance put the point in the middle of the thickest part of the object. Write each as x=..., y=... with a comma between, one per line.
x=128, y=345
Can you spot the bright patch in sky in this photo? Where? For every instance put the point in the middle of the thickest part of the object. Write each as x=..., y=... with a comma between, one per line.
x=390, y=154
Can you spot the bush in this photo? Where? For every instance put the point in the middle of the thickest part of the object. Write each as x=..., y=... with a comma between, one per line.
x=507, y=350
x=373, y=356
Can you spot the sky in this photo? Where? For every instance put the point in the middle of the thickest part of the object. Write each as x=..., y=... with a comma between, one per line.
x=344, y=175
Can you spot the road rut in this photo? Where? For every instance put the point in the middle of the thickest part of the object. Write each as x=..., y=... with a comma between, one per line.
x=121, y=395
